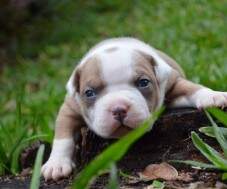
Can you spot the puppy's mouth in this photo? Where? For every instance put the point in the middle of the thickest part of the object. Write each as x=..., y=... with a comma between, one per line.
x=120, y=131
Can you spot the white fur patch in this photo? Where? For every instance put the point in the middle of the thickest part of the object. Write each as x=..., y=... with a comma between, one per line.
x=208, y=98
x=203, y=98
x=117, y=67
x=60, y=162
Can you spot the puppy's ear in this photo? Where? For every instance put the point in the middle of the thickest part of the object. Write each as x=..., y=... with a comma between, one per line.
x=73, y=84
x=148, y=58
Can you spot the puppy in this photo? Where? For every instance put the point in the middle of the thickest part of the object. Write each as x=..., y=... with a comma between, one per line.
x=114, y=88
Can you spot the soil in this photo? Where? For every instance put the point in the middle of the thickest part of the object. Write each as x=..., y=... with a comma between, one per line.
x=168, y=140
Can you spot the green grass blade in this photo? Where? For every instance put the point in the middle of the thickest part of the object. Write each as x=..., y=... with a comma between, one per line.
x=195, y=164
x=18, y=110
x=3, y=157
x=219, y=114
x=3, y=152
x=125, y=175
x=224, y=177
x=209, y=131
x=112, y=154
x=5, y=131
x=113, y=181
x=15, y=152
x=35, y=137
x=18, y=142
x=14, y=161
x=211, y=154
x=2, y=169
x=35, y=182
x=218, y=135
x=158, y=185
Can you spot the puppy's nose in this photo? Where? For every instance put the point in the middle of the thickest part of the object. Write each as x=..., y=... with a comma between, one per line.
x=119, y=113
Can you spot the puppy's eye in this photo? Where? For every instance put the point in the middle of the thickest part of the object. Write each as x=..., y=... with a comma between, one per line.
x=142, y=83
x=90, y=93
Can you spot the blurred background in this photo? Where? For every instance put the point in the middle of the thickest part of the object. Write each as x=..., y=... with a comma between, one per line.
x=41, y=41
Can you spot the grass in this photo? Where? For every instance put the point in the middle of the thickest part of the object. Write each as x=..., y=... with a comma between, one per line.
x=35, y=181
x=158, y=185
x=217, y=160
x=194, y=33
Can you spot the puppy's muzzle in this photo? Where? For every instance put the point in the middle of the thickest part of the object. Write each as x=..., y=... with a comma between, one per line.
x=119, y=112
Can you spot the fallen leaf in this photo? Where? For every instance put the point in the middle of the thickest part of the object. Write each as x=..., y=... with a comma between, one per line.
x=186, y=177
x=159, y=171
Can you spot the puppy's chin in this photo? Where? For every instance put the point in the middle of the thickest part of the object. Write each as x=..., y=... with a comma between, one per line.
x=107, y=127
x=120, y=131
x=115, y=129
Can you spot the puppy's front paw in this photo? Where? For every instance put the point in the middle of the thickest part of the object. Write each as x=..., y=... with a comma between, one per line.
x=57, y=167
x=204, y=98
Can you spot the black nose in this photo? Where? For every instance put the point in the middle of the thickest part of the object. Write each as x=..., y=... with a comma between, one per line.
x=119, y=114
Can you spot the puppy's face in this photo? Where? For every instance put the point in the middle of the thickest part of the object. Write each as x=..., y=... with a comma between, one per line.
x=116, y=90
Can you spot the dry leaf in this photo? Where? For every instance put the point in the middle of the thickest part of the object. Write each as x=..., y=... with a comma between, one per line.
x=186, y=177
x=159, y=171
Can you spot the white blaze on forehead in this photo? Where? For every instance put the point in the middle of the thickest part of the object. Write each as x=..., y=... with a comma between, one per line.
x=116, y=66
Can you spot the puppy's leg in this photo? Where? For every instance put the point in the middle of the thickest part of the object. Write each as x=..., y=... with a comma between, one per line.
x=184, y=93
x=60, y=162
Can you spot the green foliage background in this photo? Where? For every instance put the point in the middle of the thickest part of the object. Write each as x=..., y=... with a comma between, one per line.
x=48, y=46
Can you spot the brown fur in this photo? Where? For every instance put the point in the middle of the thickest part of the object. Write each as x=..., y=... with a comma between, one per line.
x=177, y=85
x=68, y=120
x=181, y=87
x=174, y=76
x=69, y=117
x=171, y=62
x=145, y=67
x=90, y=76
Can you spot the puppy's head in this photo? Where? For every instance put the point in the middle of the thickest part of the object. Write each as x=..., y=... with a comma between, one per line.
x=116, y=90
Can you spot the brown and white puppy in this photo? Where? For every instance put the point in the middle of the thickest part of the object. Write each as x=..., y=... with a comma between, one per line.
x=116, y=86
